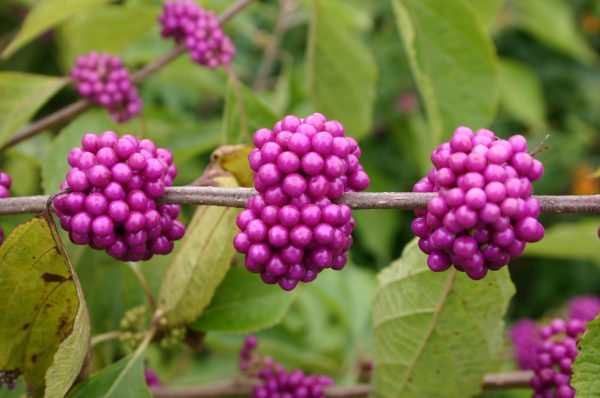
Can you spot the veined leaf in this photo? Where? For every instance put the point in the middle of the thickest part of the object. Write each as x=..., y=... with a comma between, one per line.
x=453, y=62
x=341, y=69
x=45, y=15
x=21, y=96
x=243, y=303
x=586, y=367
x=487, y=10
x=44, y=325
x=436, y=334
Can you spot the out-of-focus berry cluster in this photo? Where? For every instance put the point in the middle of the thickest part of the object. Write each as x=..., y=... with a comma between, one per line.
x=550, y=350
x=115, y=182
x=103, y=79
x=199, y=30
x=484, y=212
x=291, y=230
x=5, y=183
x=273, y=381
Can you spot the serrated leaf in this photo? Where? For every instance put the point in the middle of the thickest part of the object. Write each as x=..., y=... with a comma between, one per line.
x=243, y=303
x=522, y=95
x=436, y=334
x=45, y=15
x=341, y=69
x=124, y=378
x=554, y=23
x=55, y=166
x=256, y=112
x=21, y=96
x=44, y=326
x=487, y=10
x=453, y=62
x=586, y=367
x=575, y=240
x=110, y=29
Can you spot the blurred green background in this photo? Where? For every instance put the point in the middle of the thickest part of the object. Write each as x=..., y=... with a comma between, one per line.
x=548, y=76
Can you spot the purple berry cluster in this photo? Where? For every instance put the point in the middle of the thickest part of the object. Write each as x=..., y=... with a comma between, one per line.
x=525, y=338
x=554, y=358
x=103, y=79
x=273, y=381
x=484, y=212
x=291, y=230
x=5, y=183
x=199, y=30
x=584, y=308
x=115, y=182
x=152, y=380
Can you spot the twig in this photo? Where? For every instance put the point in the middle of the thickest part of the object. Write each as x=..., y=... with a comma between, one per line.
x=271, y=51
x=71, y=111
x=233, y=388
x=237, y=197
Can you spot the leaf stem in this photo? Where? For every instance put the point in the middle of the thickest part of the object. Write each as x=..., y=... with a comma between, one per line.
x=237, y=89
x=101, y=338
x=135, y=267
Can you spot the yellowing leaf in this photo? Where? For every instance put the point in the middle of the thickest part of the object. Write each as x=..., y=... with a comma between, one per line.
x=44, y=326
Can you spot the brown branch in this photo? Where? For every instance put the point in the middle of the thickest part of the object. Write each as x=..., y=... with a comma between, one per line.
x=237, y=197
x=233, y=388
x=73, y=110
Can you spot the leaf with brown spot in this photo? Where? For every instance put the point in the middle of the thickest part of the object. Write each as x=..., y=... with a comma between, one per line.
x=44, y=326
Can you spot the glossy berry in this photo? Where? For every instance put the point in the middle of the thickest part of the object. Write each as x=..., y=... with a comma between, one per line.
x=484, y=212
x=291, y=229
x=103, y=79
x=555, y=354
x=114, y=209
x=199, y=30
x=5, y=183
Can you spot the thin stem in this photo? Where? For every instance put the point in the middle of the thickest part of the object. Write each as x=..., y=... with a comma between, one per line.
x=238, y=197
x=135, y=267
x=233, y=388
x=73, y=110
x=237, y=89
x=101, y=338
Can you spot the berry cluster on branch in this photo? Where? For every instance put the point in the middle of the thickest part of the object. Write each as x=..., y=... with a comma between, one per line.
x=484, y=212
x=115, y=182
x=292, y=230
x=103, y=79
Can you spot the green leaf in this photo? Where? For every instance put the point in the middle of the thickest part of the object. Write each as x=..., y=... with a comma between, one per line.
x=487, y=10
x=256, y=113
x=243, y=303
x=576, y=240
x=521, y=94
x=586, y=367
x=111, y=29
x=21, y=96
x=201, y=262
x=341, y=69
x=55, y=166
x=45, y=15
x=436, y=334
x=124, y=378
x=44, y=326
x=453, y=62
x=553, y=22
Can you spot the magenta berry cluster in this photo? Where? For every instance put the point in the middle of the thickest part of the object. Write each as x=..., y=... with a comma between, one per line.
x=199, y=31
x=115, y=182
x=554, y=358
x=524, y=335
x=274, y=381
x=484, y=212
x=291, y=230
x=5, y=183
x=103, y=79
x=584, y=308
